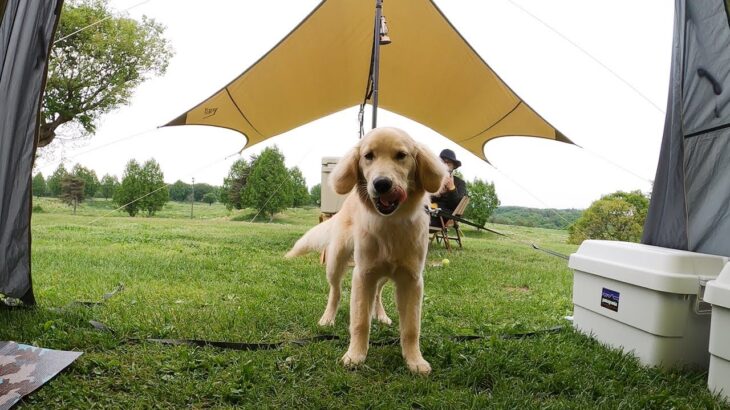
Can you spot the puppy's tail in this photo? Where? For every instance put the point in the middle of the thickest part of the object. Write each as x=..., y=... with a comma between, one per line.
x=315, y=239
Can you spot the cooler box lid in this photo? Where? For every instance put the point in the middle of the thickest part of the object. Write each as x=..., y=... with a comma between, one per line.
x=330, y=160
x=718, y=291
x=652, y=267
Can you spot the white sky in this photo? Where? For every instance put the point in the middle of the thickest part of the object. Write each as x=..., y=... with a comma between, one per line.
x=619, y=130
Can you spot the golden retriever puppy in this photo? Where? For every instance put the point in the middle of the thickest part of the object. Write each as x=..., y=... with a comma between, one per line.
x=383, y=221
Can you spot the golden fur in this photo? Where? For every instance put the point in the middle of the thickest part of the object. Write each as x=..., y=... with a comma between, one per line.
x=387, y=229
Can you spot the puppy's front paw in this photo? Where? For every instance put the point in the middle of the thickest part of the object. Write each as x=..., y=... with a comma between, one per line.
x=352, y=359
x=421, y=367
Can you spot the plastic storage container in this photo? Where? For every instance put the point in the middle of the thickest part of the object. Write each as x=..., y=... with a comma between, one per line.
x=331, y=202
x=718, y=294
x=645, y=299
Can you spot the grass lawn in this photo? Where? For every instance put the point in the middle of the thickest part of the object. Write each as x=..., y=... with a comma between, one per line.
x=220, y=277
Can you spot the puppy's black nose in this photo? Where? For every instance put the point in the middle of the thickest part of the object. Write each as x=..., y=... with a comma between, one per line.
x=382, y=185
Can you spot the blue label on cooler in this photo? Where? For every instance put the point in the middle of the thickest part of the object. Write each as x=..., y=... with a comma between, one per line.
x=609, y=299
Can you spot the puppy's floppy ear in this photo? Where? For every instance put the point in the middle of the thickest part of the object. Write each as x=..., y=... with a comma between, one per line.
x=430, y=170
x=345, y=174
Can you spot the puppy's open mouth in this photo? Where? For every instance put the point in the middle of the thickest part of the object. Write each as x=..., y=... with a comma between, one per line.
x=387, y=203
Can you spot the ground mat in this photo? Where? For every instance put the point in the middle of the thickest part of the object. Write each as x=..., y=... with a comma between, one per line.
x=25, y=368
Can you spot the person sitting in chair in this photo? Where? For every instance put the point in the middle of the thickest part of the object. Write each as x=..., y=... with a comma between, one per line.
x=452, y=188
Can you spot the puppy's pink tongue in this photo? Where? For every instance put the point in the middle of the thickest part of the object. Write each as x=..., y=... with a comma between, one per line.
x=396, y=194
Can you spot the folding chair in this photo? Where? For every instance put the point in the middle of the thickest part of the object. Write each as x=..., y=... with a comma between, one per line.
x=442, y=233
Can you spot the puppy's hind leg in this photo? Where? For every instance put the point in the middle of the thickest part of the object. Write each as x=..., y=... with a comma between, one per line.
x=337, y=260
x=379, y=312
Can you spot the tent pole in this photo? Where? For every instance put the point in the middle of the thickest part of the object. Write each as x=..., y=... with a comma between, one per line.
x=376, y=59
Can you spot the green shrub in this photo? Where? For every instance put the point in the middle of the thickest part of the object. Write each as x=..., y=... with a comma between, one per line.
x=618, y=216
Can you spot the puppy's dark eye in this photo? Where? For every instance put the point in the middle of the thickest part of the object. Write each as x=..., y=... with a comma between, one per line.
x=401, y=155
x=369, y=156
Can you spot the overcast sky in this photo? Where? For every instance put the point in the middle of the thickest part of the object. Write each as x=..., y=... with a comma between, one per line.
x=598, y=71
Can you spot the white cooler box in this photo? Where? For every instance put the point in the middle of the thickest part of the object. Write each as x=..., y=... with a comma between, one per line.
x=645, y=299
x=331, y=201
x=718, y=294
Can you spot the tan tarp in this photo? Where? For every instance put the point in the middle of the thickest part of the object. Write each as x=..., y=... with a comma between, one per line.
x=428, y=74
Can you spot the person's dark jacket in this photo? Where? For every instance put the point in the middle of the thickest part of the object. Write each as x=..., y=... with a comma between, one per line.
x=448, y=201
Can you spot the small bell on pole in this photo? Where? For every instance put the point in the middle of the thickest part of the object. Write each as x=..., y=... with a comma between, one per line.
x=384, y=38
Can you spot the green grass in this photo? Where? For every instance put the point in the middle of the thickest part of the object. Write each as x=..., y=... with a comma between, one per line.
x=215, y=278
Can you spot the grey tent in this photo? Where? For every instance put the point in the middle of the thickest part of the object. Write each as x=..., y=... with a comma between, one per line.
x=690, y=203
x=26, y=30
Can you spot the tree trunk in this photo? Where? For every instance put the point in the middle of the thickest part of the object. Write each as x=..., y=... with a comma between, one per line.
x=48, y=130
x=46, y=135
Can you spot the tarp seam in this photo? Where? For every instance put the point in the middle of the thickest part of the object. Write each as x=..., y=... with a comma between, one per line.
x=519, y=102
x=242, y=114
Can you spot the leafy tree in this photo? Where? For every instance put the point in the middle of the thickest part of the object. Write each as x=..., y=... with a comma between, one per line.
x=54, y=181
x=618, y=216
x=108, y=185
x=143, y=188
x=483, y=201
x=315, y=195
x=39, y=185
x=154, y=190
x=300, y=193
x=180, y=191
x=72, y=190
x=234, y=184
x=91, y=182
x=130, y=189
x=95, y=70
x=268, y=188
x=210, y=198
x=202, y=189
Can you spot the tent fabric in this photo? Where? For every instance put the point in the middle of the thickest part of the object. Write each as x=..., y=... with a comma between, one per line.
x=429, y=74
x=26, y=30
x=689, y=206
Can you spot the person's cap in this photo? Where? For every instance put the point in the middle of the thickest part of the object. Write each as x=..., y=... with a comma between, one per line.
x=449, y=155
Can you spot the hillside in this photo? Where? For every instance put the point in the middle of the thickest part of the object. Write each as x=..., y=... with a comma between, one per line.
x=533, y=217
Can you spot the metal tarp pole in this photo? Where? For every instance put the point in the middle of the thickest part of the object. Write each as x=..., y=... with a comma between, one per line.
x=376, y=59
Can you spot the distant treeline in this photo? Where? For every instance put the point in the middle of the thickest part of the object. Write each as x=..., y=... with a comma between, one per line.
x=533, y=217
